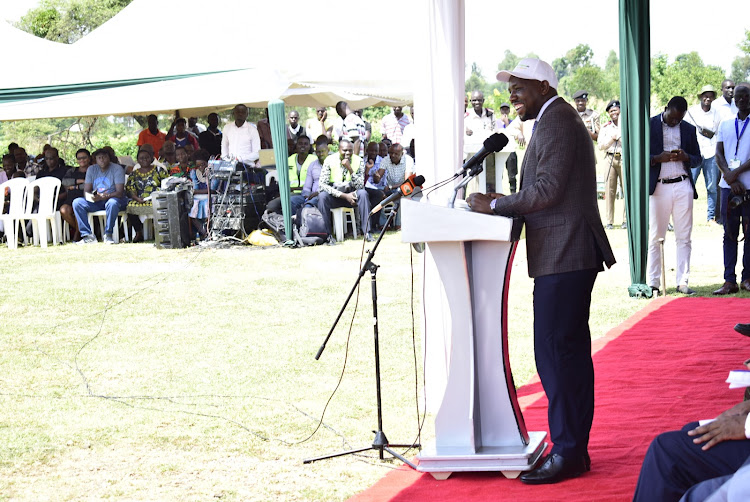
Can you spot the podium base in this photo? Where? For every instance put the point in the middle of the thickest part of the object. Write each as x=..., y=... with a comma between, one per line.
x=510, y=460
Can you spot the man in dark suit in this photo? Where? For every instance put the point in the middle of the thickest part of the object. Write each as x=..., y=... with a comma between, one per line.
x=566, y=246
x=674, y=151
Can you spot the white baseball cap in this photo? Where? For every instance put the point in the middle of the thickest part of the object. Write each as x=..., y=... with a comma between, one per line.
x=531, y=69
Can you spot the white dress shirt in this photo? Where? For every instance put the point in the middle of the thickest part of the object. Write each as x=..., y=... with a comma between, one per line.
x=242, y=143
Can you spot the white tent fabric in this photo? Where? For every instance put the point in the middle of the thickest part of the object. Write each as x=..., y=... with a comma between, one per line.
x=311, y=75
x=35, y=51
x=439, y=100
x=197, y=97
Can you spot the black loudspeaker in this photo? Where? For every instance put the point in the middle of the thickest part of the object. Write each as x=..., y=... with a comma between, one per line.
x=171, y=224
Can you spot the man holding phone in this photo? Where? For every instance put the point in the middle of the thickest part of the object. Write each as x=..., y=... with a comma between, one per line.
x=674, y=151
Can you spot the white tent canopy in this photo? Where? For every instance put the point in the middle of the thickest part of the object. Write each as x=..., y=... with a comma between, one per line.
x=257, y=64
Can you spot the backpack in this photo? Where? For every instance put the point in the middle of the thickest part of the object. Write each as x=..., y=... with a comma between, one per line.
x=309, y=227
x=275, y=223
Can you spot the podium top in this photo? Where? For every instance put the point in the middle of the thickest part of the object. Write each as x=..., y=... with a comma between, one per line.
x=425, y=222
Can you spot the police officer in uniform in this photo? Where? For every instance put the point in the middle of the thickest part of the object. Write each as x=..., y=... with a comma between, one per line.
x=590, y=117
x=610, y=140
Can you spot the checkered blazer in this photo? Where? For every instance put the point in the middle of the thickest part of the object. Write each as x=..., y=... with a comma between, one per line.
x=557, y=198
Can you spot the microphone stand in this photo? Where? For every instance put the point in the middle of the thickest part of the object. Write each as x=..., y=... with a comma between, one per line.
x=380, y=442
x=472, y=174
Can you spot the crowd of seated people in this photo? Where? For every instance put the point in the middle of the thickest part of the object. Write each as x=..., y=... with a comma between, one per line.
x=101, y=182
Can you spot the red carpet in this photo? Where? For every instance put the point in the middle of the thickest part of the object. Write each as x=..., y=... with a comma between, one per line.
x=660, y=369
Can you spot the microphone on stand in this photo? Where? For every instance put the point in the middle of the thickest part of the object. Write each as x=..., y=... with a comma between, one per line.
x=493, y=144
x=404, y=190
x=473, y=166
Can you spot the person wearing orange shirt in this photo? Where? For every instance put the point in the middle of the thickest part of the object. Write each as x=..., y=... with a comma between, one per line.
x=152, y=135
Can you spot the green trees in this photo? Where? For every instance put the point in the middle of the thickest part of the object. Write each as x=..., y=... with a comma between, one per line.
x=741, y=64
x=576, y=70
x=684, y=77
x=476, y=81
x=68, y=20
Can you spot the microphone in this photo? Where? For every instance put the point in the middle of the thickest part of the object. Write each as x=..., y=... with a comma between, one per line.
x=404, y=190
x=493, y=144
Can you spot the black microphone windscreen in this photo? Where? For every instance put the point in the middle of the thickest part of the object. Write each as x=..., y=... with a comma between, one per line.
x=495, y=143
x=419, y=181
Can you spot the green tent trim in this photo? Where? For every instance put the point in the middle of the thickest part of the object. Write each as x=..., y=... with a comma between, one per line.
x=26, y=93
x=635, y=83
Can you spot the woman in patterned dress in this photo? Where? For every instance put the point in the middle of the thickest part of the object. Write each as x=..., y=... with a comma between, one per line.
x=139, y=186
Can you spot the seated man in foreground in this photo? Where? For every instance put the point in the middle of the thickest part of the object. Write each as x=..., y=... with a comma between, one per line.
x=677, y=461
x=105, y=183
x=311, y=188
x=342, y=185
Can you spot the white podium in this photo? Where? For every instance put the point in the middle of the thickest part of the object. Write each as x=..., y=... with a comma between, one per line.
x=479, y=425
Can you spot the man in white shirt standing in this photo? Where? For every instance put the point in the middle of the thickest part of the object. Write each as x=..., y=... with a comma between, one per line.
x=479, y=124
x=674, y=151
x=733, y=159
x=393, y=124
x=725, y=104
x=706, y=120
x=349, y=126
x=240, y=139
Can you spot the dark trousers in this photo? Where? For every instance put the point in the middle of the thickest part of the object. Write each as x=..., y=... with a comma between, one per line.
x=732, y=219
x=326, y=202
x=511, y=164
x=562, y=346
x=376, y=196
x=673, y=464
x=136, y=223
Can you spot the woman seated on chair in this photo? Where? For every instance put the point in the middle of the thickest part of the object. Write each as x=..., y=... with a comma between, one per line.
x=141, y=183
x=73, y=182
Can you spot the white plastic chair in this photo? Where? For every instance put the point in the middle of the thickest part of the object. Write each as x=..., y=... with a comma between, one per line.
x=148, y=224
x=17, y=196
x=49, y=189
x=122, y=219
x=343, y=216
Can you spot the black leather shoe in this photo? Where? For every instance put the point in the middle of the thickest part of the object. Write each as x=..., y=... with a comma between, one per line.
x=556, y=468
x=728, y=288
x=742, y=329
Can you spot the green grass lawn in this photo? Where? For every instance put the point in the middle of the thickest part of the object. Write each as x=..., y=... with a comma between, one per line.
x=128, y=372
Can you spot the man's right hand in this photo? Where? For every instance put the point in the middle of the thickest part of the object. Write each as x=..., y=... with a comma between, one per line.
x=663, y=157
x=521, y=140
x=350, y=198
x=724, y=428
x=737, y=188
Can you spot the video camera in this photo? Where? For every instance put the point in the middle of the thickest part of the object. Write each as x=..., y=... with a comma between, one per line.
x=738, y=200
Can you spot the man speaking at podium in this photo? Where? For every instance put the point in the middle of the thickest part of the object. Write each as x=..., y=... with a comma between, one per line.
x=566, y=246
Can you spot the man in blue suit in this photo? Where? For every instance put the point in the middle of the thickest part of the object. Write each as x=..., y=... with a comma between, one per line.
x=674, y=151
